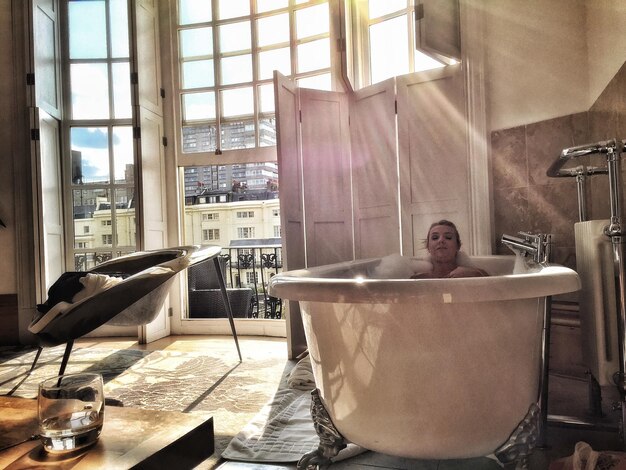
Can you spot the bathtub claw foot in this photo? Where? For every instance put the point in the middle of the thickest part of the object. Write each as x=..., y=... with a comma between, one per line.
x=522, y=441
x=331, y=440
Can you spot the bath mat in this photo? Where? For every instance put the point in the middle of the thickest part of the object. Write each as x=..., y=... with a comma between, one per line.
x=283, y=430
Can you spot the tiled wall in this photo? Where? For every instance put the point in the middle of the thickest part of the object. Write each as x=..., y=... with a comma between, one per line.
x=526, y=199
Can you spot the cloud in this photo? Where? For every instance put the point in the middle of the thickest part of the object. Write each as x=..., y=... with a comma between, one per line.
x=91, y=137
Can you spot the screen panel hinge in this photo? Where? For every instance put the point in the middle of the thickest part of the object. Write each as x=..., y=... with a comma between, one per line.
x=134, y=78
x=136, y=132
x=35, y=134
x=30, y=78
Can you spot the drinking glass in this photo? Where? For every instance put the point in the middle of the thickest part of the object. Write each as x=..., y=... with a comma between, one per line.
x=70, y=411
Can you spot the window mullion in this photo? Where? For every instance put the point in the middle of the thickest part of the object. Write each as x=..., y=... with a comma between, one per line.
x=217, y=76
x=254, y=53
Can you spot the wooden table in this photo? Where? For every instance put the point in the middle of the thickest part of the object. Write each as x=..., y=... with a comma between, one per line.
x=131, y=438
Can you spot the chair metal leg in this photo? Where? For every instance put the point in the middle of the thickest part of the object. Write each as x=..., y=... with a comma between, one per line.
x=36, y=359
x=66, y=356
x=229, y=311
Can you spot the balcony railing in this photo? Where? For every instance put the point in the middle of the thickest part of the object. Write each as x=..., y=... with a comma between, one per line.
x=252, y=267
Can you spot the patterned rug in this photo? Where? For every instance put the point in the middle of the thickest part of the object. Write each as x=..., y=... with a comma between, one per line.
x=231, y=391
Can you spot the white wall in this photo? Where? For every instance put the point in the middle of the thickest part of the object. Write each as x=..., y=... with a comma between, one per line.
x=606, y=42
x=536, y=60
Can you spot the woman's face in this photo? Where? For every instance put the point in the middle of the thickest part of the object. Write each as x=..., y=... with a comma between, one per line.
x=442, y=243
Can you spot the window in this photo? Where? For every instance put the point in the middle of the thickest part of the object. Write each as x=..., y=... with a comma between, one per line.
x=210, y=234
x=99, y=122
x=226, y=58
x=275, y=212
x=245, y=214
x=211, y=216
x=383, y=38
x=245, y=232
x=277, y=231
x=251, y=278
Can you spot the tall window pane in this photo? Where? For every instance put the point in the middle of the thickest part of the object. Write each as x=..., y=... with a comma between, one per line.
x=236, y=69
x=87, y=25
x=196, y=42
x=235, y=37
x=90, y=155
x=198, y=74
x=90, y=91
x=275, y=59
x=312, y=21
x=237, y=102
x=194, y=11
x=273, y=30
x=313, y=55
x=384, y=7
x=389, y=61
x=121, y=91
x=233, y=8
x=119, y=28
x=266, y=98
x=269, y=5
x=198, y=106
x=123, y=159
x=317, y=82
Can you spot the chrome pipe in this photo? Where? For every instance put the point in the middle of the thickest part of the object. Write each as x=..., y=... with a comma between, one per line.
x=570, y=153
x=620, y=299
x=520, y=244
x=576, y=422
x=582, y=197
x=614, y=166
x=545, y=373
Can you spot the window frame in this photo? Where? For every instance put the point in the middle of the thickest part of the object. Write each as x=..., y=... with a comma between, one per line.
x=102, y=250
x=258, y=153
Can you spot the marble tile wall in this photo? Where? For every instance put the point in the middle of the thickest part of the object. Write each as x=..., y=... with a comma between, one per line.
x=526, y=199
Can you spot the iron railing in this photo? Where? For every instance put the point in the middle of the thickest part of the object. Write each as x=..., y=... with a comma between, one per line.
x=253, y=266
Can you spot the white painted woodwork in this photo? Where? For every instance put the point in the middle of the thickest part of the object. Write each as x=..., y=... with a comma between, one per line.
x=150, y=155
x=433, y=155
x=45, y=57
x=291, y=199
x=375, y=171
x=44, y=100
x=49, y=232
x=438, y=29
x=325, y=138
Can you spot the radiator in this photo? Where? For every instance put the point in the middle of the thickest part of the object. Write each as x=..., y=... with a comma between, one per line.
x=598, y=316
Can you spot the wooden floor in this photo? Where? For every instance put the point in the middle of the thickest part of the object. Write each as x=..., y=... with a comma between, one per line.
x=561, y=441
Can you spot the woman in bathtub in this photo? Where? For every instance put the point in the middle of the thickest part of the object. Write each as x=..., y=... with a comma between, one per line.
x=443, y=244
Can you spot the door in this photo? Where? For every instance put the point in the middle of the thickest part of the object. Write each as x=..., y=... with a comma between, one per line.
x=150, y=155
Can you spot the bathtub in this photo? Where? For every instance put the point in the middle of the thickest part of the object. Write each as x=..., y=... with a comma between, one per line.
x=428, y=368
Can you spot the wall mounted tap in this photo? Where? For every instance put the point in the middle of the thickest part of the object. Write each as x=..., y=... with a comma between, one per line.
x=529, y=245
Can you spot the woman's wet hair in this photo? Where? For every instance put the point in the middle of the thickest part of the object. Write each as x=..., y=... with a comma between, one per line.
x=447, y=223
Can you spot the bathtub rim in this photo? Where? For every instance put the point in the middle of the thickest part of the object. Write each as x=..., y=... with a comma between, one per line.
x=317, y=284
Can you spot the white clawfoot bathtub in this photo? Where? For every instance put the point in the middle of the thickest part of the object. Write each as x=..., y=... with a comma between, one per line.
x=426, y=368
